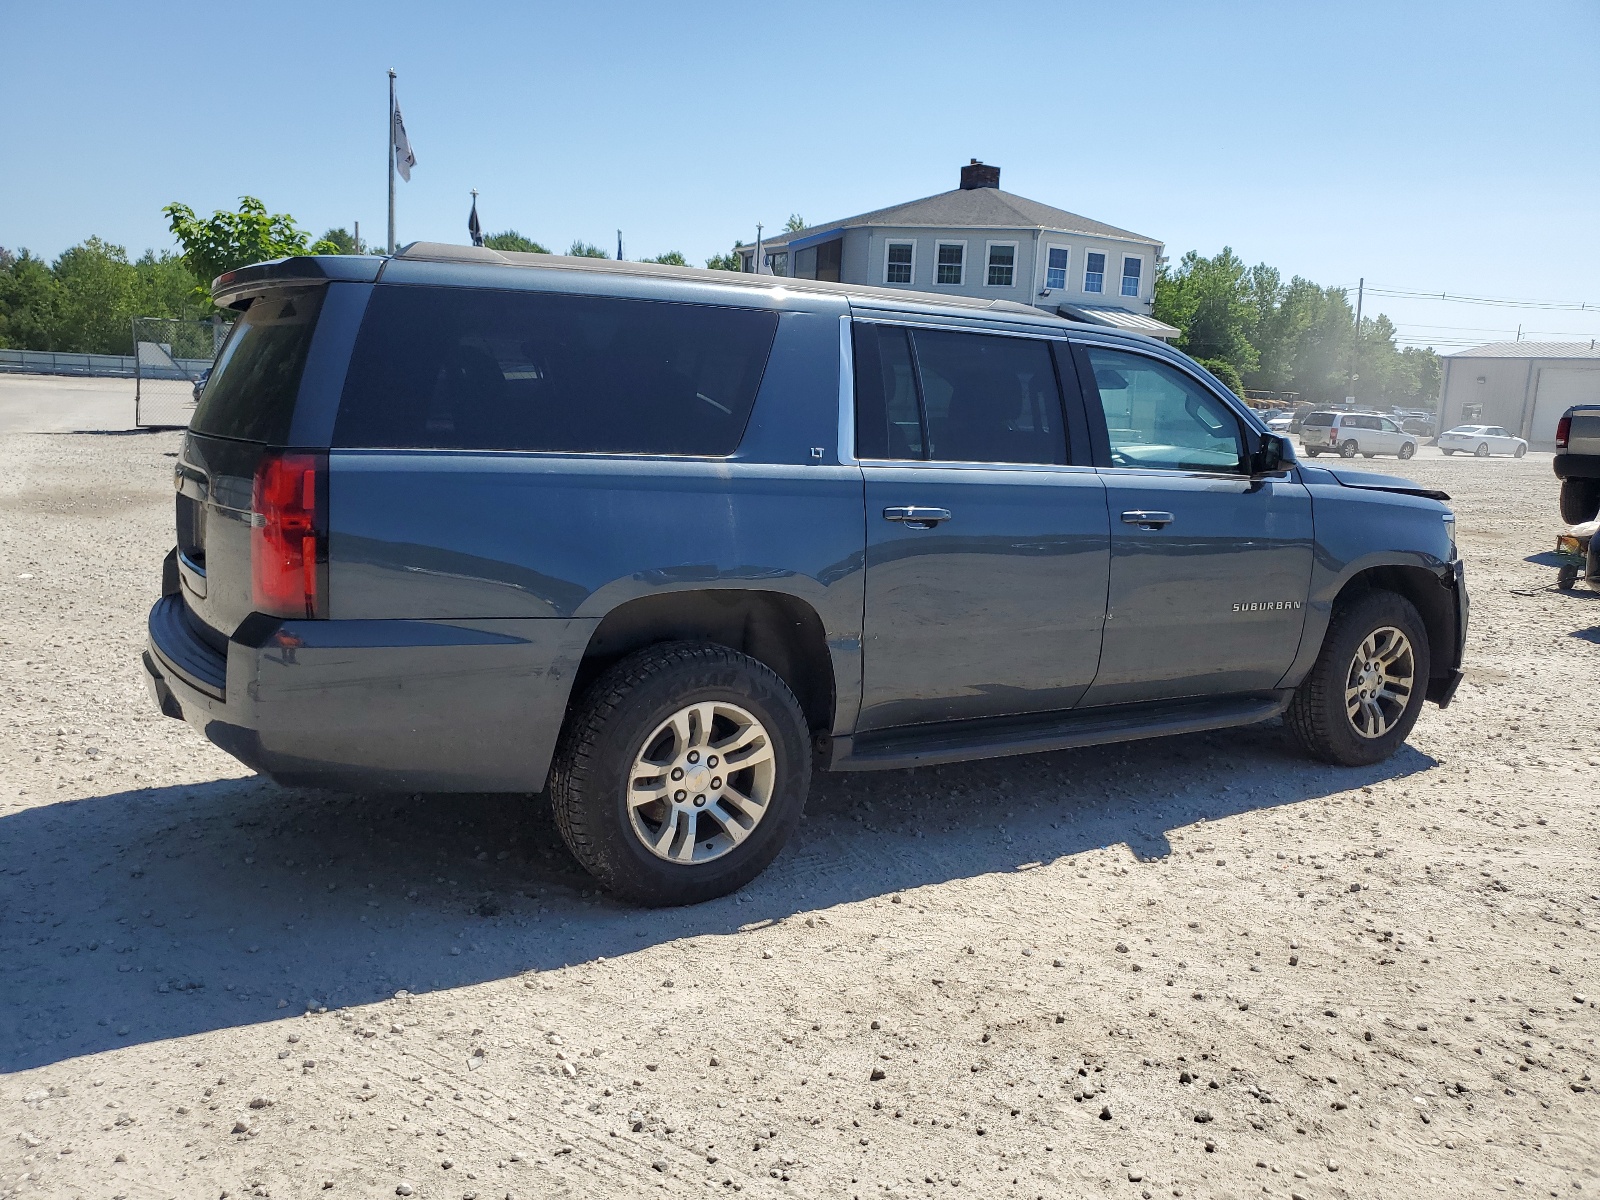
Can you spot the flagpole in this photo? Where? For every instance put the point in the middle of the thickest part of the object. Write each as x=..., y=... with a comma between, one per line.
x=391, y=160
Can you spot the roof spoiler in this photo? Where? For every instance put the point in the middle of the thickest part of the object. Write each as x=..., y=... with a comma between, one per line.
x=237, y=288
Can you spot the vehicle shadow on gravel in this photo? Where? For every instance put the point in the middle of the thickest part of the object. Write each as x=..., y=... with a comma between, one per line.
x=155, y=914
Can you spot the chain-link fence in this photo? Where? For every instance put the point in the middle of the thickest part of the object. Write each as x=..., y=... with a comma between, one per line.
x=171, y=360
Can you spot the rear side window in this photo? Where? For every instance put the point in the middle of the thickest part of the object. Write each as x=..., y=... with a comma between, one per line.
x=474, y=369
x=948, y=396
x=251, y=393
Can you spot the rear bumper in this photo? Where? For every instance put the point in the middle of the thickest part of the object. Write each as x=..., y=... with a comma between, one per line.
x=382, y=705
x=1576, y=466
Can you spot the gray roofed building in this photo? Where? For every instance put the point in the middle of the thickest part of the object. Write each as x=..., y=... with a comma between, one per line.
x=1521, y=386
x=977, y=240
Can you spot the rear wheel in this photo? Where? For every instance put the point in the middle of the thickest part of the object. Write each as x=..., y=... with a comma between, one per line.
x=1310, y=453
x=1349, y=449
x=1483, y=450
x=1591, y=568
x=1448, y=453
x=1362, y=696
x=1407, y=450
x=681, y=773
x=1580, y=500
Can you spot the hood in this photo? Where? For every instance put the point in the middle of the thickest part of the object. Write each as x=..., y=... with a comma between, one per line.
x=1385, y=483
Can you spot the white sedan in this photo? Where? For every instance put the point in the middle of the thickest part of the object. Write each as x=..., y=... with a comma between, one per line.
x=1481, y=440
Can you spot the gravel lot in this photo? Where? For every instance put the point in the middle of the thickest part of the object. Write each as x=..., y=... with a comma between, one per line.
x=1198, y=967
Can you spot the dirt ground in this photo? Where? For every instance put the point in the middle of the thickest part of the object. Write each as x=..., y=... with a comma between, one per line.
x=1198, y=967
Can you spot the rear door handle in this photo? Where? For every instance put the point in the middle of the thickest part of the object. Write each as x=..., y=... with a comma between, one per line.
x=914, y=517
x=1146, y=518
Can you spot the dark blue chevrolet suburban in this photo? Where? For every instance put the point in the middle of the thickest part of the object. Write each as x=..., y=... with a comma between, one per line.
x=661, y=540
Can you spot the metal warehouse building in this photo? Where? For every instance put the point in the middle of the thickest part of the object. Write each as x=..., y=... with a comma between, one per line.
x=1521, y=386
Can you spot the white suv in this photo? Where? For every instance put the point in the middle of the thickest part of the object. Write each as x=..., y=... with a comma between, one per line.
x=1348, y=434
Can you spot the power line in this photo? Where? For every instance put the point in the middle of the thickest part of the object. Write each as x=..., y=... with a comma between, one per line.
x=1492, y=301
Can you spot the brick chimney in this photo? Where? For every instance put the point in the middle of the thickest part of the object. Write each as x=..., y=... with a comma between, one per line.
x=979, y=175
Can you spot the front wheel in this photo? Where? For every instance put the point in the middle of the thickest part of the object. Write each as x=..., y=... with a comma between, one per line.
x=681, y=773
x=1449, y=453
x=1349, y=449
x=1482, y=451
x=1364, y=693
x=1521, y=449
x=1407, y=450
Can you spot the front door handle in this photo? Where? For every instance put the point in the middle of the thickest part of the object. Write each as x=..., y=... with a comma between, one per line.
x=914, y=517
x=1146, y=518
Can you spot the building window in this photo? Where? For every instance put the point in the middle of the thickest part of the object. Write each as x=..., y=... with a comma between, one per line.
x=749, y=260
x=952, y=263
x=1131, y=268
x=1094, y=272
x=898, y=262
x=1055, y=271
x=1002, y=264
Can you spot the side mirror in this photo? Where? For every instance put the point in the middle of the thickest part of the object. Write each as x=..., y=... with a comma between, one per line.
x=1270, y=455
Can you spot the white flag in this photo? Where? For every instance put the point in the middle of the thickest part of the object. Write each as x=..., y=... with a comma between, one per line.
x=404, y=159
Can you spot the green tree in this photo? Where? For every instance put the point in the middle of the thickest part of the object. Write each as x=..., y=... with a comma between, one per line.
x=727, y=262
x=1209, y=299
x=514, y=241
x=342, y=240
x=670, y=259
x=1225, y=371
x=228, y=240
x=583, y=249
x=794, y=224
x=29, y=300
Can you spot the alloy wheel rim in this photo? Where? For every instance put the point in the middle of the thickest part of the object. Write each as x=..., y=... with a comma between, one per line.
x=701, y=783
x=1380, y=681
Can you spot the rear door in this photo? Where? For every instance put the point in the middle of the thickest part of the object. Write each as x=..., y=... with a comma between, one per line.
x=987, y=540
x=247, y=407
x=1210, y=568
x=1393, y=439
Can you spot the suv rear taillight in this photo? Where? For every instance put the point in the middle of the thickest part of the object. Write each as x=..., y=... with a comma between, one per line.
x=1563, y=432
x=288, y=534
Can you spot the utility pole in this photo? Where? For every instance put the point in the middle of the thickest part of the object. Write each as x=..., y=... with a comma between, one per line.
x=391, y=160
x=757, y=263
x=358, y=237
x=1355, y=349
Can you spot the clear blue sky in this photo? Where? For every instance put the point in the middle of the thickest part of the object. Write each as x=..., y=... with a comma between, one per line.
x=1445, y=146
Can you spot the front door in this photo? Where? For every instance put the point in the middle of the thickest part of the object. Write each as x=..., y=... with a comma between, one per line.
x=1210, y=569
x=987, y=548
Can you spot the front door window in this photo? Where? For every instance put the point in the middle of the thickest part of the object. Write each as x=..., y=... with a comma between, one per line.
x=1156, y=416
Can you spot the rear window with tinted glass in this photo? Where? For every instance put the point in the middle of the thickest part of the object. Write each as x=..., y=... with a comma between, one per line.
x=475, y=369
x=251, y=393
x=1318, y=419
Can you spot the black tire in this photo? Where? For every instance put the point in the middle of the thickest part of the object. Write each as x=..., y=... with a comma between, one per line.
x=607, y=728
x=1566, y=577
x=1407, y=450
x=1310, y=453
x=1591, y=564
x=1580, y=500
x=1317, y=718
x=1449, y=453
x=1482, y=451
x=1349, y=449
x=1521, y=450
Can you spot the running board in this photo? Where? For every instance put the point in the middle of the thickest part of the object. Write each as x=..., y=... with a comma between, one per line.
x=996, y=737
